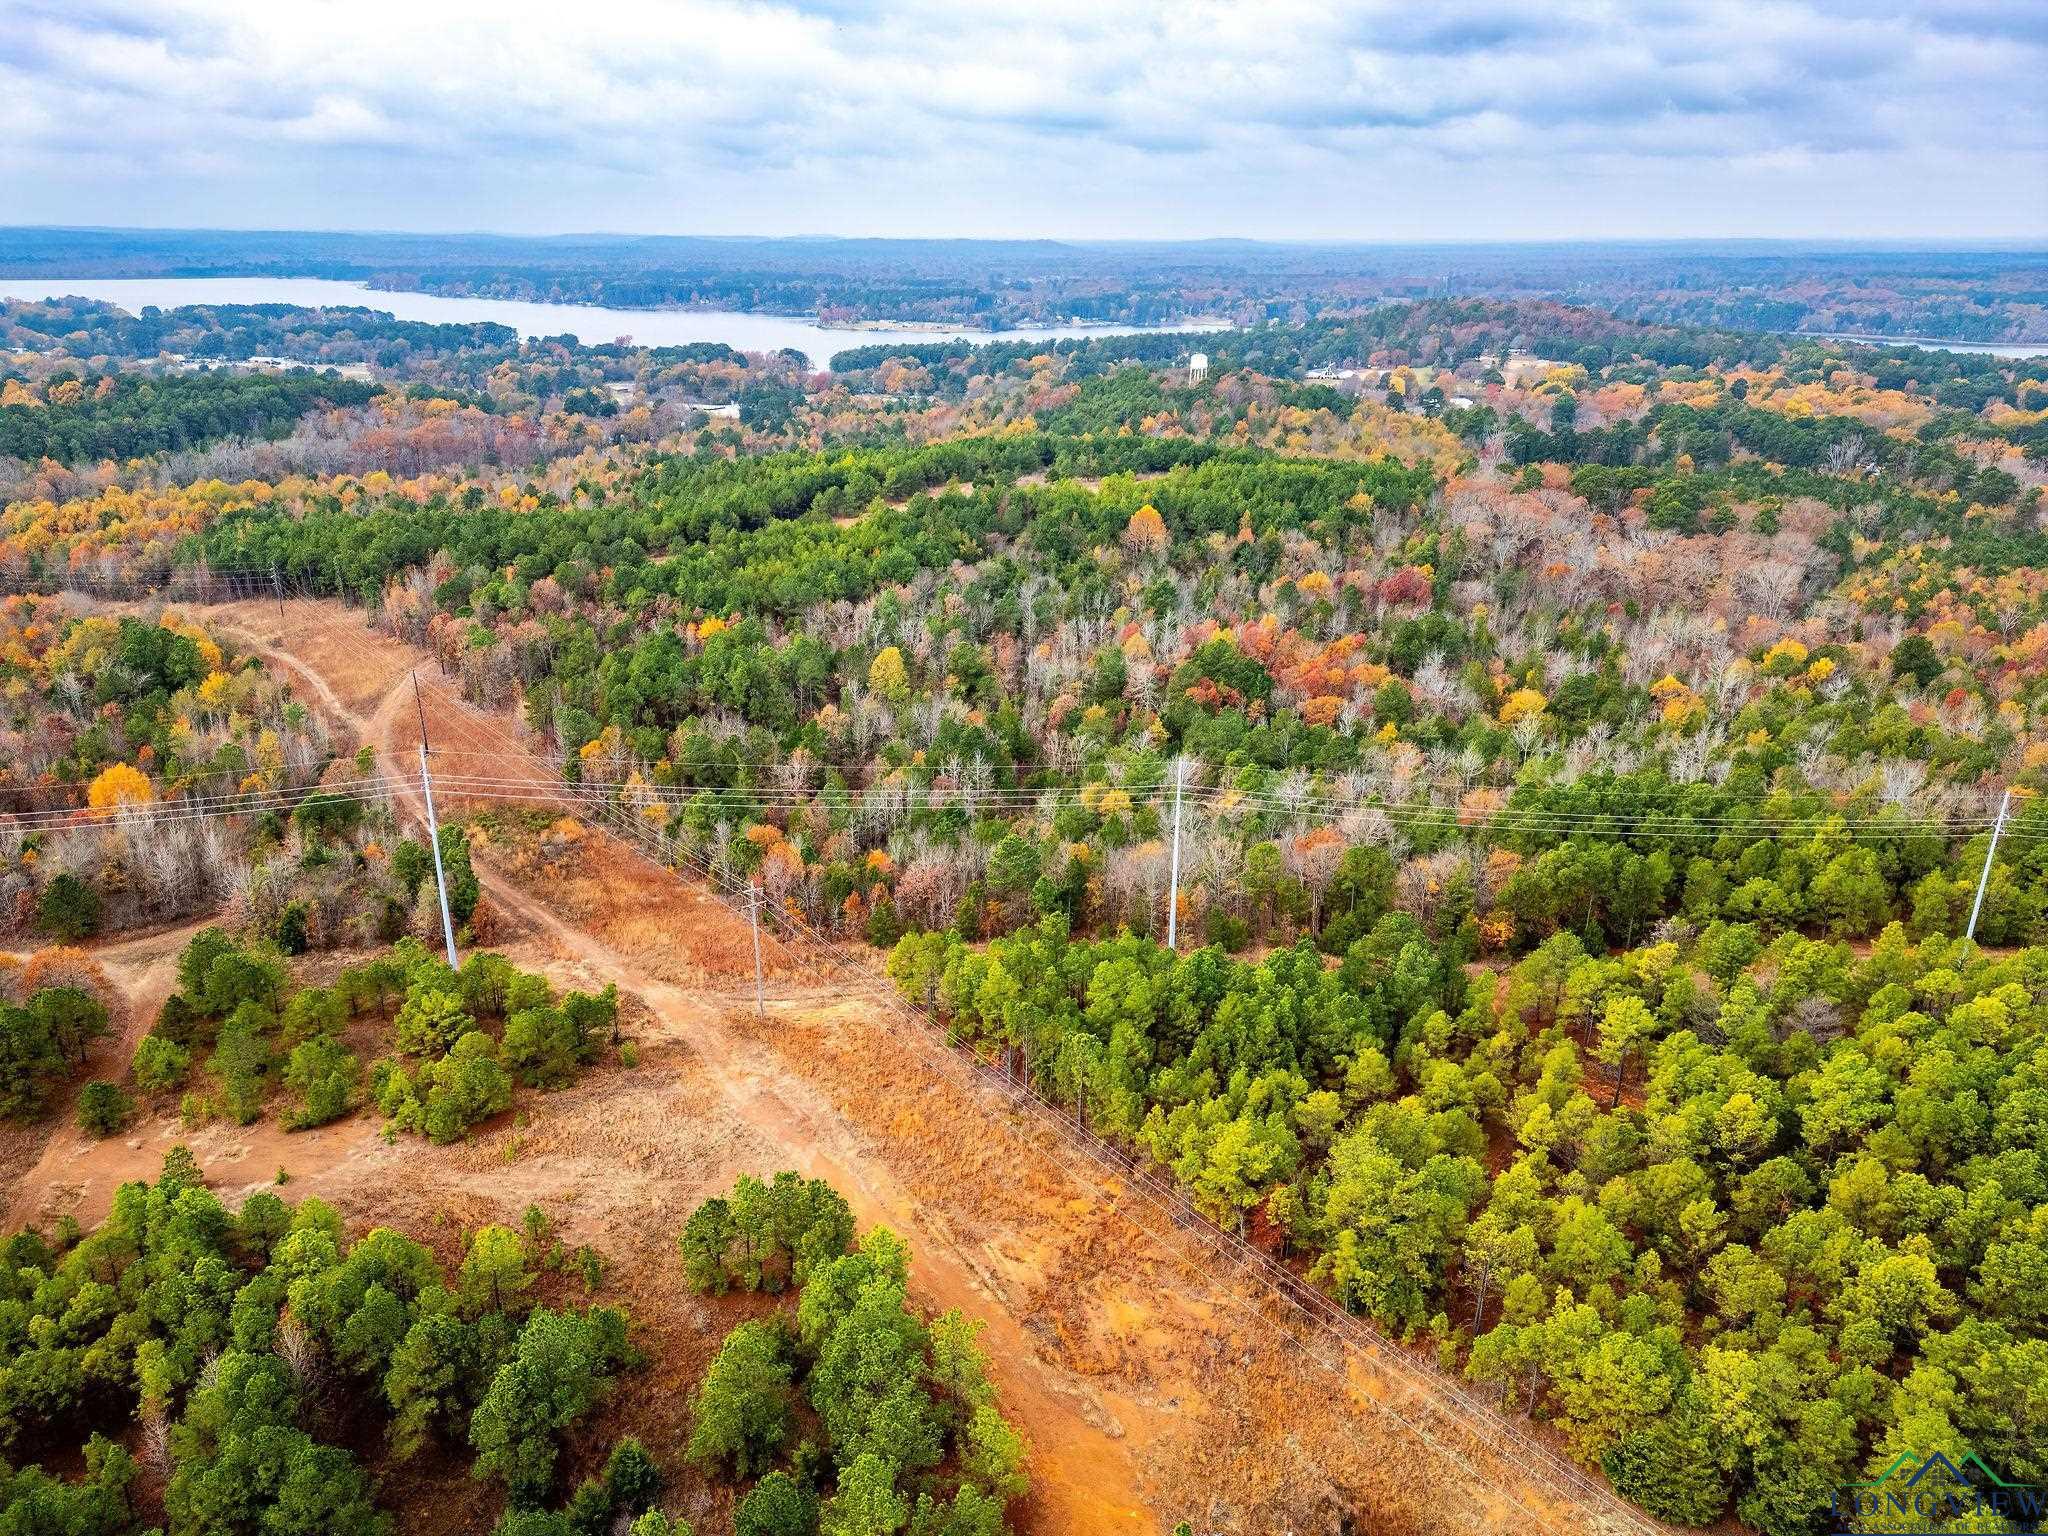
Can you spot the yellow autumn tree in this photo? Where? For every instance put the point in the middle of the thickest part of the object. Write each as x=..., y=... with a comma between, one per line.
x=213, y=690
x=119, y=784
x=1785, y=658
x=1521, y=704
x=888, y=676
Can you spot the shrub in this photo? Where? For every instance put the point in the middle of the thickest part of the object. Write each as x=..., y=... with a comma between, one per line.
x=30, y=1060
x=313, y=1011
x=629, y=1483
x=325, y=1075
x=431, y=1021
x=241, y=1061
x=179, y=1022
x=103, y=1108
x=160, y=1063
x=293, y=928
x=778, y=1505
x=68, y=908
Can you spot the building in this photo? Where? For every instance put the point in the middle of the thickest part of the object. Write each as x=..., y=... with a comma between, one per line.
x=179, y=363
x=1198, y=367
x=730, y=410
x=1521, y=372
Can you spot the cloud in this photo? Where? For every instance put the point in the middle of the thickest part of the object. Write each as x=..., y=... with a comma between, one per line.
x=1384, y=119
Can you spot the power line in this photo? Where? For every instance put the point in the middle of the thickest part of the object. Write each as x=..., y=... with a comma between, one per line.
x=1424, y=814
x=142, y=815
x=604, y=793
x=1623, y=823
x=1484, y=1423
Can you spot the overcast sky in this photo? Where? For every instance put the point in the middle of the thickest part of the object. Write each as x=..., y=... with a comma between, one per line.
x=1416, y=119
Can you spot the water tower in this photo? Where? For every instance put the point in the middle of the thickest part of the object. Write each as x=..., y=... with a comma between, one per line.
x=1198, y=367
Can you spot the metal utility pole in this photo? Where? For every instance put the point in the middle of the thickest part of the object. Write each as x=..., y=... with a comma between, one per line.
x=754, y=921
x=1180, y=775
x=1998, y=826
x=433, y=827
x=277, y=587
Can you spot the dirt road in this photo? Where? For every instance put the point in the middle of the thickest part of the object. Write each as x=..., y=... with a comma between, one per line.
x=1083, y=1480
x=1151, y=1388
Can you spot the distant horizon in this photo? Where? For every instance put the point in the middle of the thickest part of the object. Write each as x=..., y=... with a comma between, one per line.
x=1918, y=243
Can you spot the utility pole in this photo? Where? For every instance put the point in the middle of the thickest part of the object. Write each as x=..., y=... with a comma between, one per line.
x=754, y=921
x=277, y=586
x=1180, y=776
x=433, y=827
x=1998, y=826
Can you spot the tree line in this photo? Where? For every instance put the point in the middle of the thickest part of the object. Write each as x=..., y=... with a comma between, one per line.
x=1742, y=1218
x=131, y=415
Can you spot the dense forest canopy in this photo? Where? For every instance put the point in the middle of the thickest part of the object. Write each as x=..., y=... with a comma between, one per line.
x=130, y=416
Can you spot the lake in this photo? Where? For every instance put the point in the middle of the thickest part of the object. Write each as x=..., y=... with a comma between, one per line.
x=1990, y=348
x=588, y=323
x=591, y=323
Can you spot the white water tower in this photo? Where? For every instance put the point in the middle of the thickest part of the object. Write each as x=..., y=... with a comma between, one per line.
x=1198, y=367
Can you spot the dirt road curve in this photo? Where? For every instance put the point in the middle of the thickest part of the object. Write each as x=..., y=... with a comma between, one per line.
x=1151, y=1389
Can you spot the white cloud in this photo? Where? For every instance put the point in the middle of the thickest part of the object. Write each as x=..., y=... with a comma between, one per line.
x=1053, y=116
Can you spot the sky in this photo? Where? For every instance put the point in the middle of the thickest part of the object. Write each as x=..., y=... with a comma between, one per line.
x=1102, y=119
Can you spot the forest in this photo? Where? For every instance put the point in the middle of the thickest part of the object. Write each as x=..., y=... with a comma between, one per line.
x=1369, y=660
x=1568, y=752
x=126, y=416
x=1737, y=1216
x=285, y=1360
x=237, y=332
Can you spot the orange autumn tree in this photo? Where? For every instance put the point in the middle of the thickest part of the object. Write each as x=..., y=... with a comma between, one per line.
x=1145, y=533
x=119, y=784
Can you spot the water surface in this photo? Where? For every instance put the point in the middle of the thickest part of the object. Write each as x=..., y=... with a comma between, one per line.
x=588, y=323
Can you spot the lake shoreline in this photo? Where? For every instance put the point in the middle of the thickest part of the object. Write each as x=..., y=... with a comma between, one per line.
x=590, y=324
x=1192, y=323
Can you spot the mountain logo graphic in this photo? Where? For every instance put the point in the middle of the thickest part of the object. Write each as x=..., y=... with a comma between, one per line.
x=1925, y=1494
x=1922, y=1465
